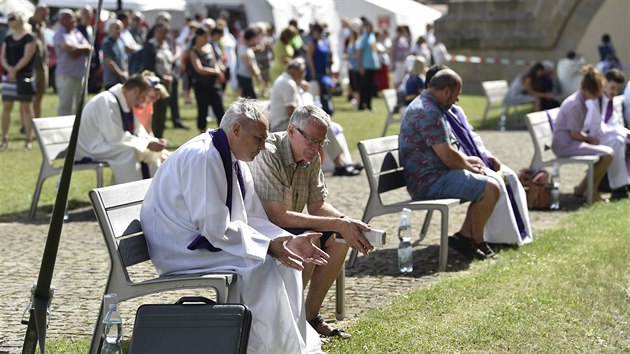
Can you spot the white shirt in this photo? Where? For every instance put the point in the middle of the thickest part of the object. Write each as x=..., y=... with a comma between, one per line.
x=284, y=93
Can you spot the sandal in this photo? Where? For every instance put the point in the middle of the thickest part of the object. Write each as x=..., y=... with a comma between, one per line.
x=4, y=145
x=336, y=332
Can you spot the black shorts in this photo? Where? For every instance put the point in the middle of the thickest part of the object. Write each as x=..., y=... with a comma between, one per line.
x=325, y=234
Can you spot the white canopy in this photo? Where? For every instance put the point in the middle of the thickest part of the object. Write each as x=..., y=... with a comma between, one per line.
x=390, y=13
x=24, y=6
x=134, y=5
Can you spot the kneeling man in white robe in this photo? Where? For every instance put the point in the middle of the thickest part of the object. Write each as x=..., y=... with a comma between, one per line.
x=202, y=214
x=109, y=132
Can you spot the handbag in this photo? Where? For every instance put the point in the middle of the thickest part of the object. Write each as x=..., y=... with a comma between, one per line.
x=25, y=86
x=537, y=187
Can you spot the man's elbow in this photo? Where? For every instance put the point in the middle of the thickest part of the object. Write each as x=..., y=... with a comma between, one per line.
x=276, y=218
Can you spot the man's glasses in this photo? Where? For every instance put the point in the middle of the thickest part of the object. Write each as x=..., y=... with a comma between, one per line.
x=313, y=141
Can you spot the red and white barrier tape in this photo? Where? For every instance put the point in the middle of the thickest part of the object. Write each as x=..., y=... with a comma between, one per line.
x=459, y=58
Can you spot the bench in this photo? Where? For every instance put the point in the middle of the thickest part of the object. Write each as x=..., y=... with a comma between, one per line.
x=117, y=210
x=539, y=126
x=496, y=92
x=393, y=110
x=53, y=137
x=384, y=174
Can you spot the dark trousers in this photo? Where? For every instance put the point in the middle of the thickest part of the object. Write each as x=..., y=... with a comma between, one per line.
x=208, y=95
x=247, y=86
x=174, y=101
x=367, y=89
x=159, y=117
x=325, y=99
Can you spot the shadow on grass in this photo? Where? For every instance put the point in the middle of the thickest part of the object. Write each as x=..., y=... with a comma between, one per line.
x=384, y=262
x=77, y=211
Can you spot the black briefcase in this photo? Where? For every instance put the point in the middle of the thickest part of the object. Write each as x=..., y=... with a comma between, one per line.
x=191, y=325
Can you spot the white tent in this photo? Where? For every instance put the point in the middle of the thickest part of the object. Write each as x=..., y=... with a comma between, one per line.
x=278, y=12
x=134, y=5
x=149, y=8
x=24, y=6
x=390, y=13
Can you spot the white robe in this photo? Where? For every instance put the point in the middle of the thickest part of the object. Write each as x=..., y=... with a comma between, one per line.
x=612, y=134
x=502, y=226
x=102, y=138
x=187, y=199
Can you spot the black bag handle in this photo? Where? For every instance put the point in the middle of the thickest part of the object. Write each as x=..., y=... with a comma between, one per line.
x=187, y=299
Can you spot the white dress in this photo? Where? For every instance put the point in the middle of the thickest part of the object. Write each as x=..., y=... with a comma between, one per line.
x=187, y=199
x=612, y=134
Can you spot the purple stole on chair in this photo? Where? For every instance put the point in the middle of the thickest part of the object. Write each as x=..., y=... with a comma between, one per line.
x=220, y=142
x=458, y=124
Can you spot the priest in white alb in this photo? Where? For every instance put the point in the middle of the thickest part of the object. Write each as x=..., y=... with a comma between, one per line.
x=202, y=214
x=110, y=133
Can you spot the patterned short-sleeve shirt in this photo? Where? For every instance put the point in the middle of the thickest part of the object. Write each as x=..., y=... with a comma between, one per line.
x=278, y=178
x=423, y=126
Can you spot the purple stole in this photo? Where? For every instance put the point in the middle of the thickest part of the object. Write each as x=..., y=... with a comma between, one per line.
x=459, y=127
x=220, y=142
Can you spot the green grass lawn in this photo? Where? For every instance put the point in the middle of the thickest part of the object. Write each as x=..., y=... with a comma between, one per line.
x=567, y=292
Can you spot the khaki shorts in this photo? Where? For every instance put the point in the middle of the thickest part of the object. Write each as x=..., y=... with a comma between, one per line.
x=41, y=80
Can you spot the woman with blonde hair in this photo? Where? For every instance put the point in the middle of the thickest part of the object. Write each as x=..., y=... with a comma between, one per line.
x=17, y=82
x=414, y=84
x=569, y=136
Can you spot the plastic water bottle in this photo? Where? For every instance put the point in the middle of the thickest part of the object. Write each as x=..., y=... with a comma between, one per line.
x=112, y=331
x=405, y=256
x=502, y=122
x=555, y=188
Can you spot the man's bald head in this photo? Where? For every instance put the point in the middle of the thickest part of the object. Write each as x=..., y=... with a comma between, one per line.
x=446, y=78
x=445, y=86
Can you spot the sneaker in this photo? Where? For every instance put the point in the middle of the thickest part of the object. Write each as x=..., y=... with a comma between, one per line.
x=179, y=125
x=619, y=193
x=346, y=170
x=467, y=247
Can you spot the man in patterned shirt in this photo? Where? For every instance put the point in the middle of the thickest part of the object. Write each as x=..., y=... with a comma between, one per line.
x=434, y=169
x=287, y=177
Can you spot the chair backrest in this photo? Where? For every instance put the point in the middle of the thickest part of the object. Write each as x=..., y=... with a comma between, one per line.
x=539, y=126
x=117, y=210
x=382, y=167
x=53, y=135
x=391, y=100
x=495, y=91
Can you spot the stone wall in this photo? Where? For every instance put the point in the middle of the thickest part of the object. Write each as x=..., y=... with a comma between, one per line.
x=530, y=30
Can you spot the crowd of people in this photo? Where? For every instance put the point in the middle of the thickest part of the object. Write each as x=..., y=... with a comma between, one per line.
x=250, y=196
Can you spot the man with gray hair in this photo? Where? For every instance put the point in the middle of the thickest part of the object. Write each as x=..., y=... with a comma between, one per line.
x=286, y=94
x=201, y=214
x=288, y=178
x=72, y=50
x=289, y=91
